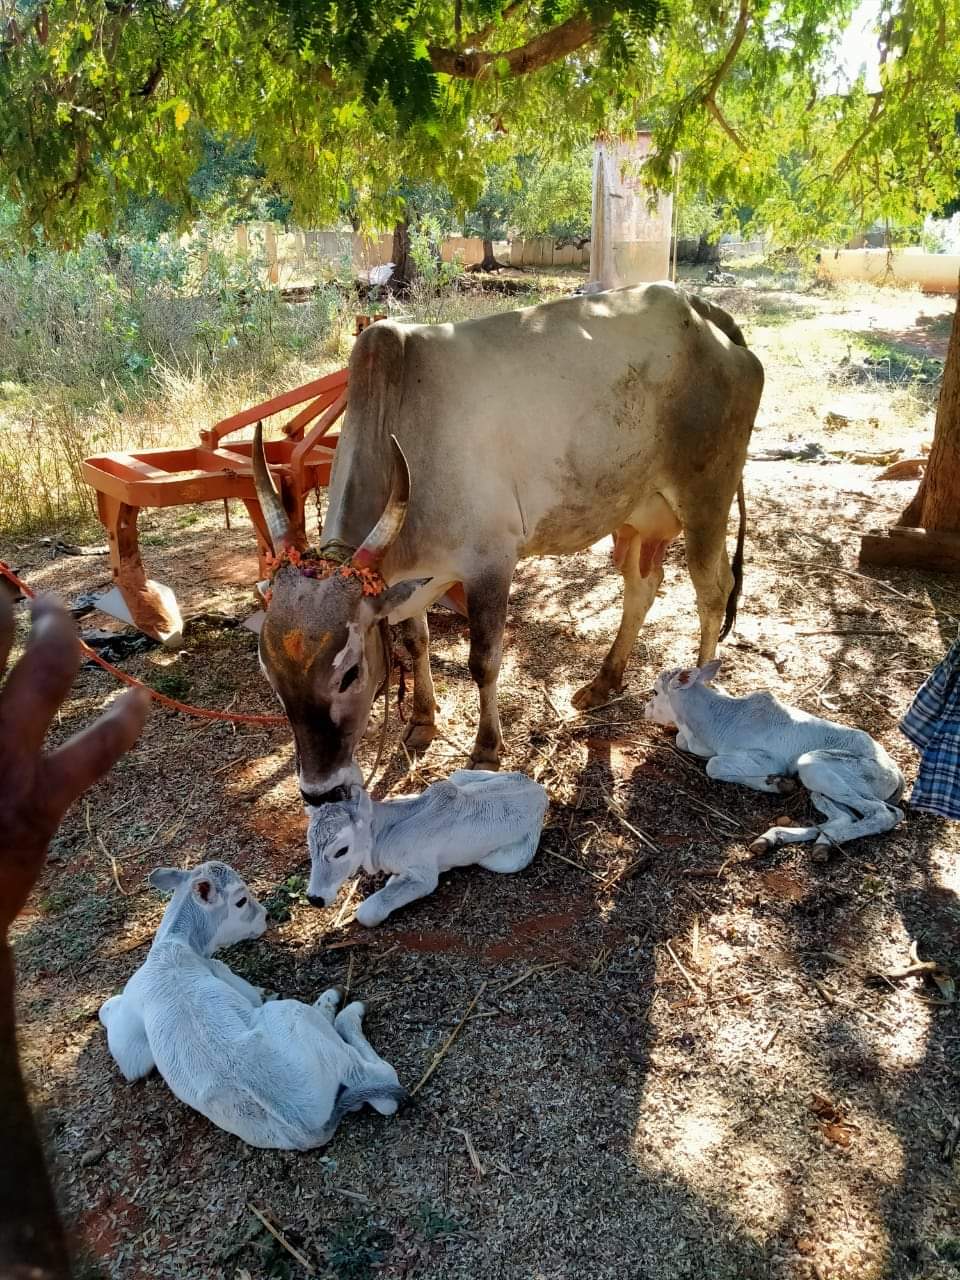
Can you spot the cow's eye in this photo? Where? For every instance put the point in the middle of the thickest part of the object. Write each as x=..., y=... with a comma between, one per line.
x=349, y=677
x=341, y=853
x=241, y=902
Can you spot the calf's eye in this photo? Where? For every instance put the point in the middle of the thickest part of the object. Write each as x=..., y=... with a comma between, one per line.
x=342, y=852
x=241, y=902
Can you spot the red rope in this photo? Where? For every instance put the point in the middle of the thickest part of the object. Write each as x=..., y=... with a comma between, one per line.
x=201, y=713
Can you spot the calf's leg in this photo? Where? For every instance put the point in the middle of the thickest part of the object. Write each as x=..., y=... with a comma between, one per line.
x=642, y=570
x=378, y=1071
x=127, y=1038
x=397, y=892
x=327, y=1003
x=487, y=597
x=845, y=780
x=422, y=729
x=754, y=769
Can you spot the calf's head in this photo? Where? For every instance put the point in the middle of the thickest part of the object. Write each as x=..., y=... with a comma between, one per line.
x=321, y=647
x=212, y=906
x=340, y=840
x=669, y=684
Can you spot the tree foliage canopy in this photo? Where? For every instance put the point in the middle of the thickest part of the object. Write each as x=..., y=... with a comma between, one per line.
x=101, y=100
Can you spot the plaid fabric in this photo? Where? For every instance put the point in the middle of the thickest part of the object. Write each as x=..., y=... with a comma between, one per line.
x=933, y=726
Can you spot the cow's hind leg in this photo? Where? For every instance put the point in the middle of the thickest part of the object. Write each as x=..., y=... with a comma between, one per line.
x=422, y=728
x=712, y=578
x=642, y=574
x=487, y=613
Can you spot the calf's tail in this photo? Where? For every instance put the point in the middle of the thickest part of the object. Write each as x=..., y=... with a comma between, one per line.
x=730, y=616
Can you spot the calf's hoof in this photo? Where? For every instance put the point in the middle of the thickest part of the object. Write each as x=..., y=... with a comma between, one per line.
x=762, y=844
x=594, y=694
x=417, y=737
x=782, y=783
x=369, y=916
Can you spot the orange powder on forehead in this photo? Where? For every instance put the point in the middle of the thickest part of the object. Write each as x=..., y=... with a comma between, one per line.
x=293, y=645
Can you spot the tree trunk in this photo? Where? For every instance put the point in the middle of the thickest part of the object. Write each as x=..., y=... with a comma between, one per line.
x=706, y=252
x=404, y=268
x=489, y=262
x=936, y=504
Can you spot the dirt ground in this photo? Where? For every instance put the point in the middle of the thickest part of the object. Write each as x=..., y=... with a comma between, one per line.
x=683, y=1062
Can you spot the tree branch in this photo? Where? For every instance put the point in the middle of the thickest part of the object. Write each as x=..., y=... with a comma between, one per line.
x=550, y=46
x=480, y=38
x=710, y=91
x=725, y=125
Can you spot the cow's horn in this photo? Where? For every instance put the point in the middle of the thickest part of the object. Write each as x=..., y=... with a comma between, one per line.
x=278, y=522
x=381, y=537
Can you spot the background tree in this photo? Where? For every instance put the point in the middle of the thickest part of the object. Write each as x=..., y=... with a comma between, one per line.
x=101, y=99
x=492, y=216
x=555, y=197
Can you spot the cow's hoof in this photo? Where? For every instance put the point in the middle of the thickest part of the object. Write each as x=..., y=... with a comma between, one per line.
x=481, y=758
x=418, y=737
x=783, y=784
x=762, y=844
x=594, y=694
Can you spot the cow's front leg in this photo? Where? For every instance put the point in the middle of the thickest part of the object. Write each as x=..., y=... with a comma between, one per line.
x=487, y=614
x=422, y=729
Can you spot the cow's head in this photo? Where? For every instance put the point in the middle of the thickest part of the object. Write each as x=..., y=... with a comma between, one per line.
x=321, y=646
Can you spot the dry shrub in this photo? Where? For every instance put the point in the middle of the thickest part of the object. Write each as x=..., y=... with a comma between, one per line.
x=122, y=345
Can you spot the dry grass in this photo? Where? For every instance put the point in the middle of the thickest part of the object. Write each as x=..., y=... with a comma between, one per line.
x=682, y=1063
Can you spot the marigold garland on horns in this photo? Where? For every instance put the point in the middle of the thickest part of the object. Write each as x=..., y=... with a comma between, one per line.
x=312, y=564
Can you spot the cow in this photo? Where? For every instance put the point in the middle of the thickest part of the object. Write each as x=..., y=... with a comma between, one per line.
x=468, y=446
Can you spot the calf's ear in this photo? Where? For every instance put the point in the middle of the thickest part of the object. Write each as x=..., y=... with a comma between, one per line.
x=167, y=879
x=709, y=672
x=206, y=891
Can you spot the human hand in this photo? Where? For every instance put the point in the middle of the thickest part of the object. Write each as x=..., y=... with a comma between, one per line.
x=37, y=787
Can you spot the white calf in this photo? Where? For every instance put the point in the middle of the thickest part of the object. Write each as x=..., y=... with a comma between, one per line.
x=474, y=816
x=760, y=742
x=281, y=1074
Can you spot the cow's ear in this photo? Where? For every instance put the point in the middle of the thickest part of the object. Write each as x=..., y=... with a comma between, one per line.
x=373, y=608
x=709, y=672
x=167, y=879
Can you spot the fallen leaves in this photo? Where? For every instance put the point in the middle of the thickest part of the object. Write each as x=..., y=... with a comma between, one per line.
x=834, y=1126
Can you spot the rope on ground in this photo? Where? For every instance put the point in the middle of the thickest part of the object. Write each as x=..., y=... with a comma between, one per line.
x=200, y=713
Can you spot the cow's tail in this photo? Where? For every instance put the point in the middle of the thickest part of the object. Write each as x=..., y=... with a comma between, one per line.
x=730, y=616
x=726, y=324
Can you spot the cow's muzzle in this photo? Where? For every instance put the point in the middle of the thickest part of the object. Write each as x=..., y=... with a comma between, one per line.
x=316, y=798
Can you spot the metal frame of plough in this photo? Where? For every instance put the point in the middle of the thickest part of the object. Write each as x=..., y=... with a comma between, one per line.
x=212, y=472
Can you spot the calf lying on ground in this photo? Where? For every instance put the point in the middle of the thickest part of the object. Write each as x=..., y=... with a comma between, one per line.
x=474, y=816
x=758, y=741
x=281, y=1074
